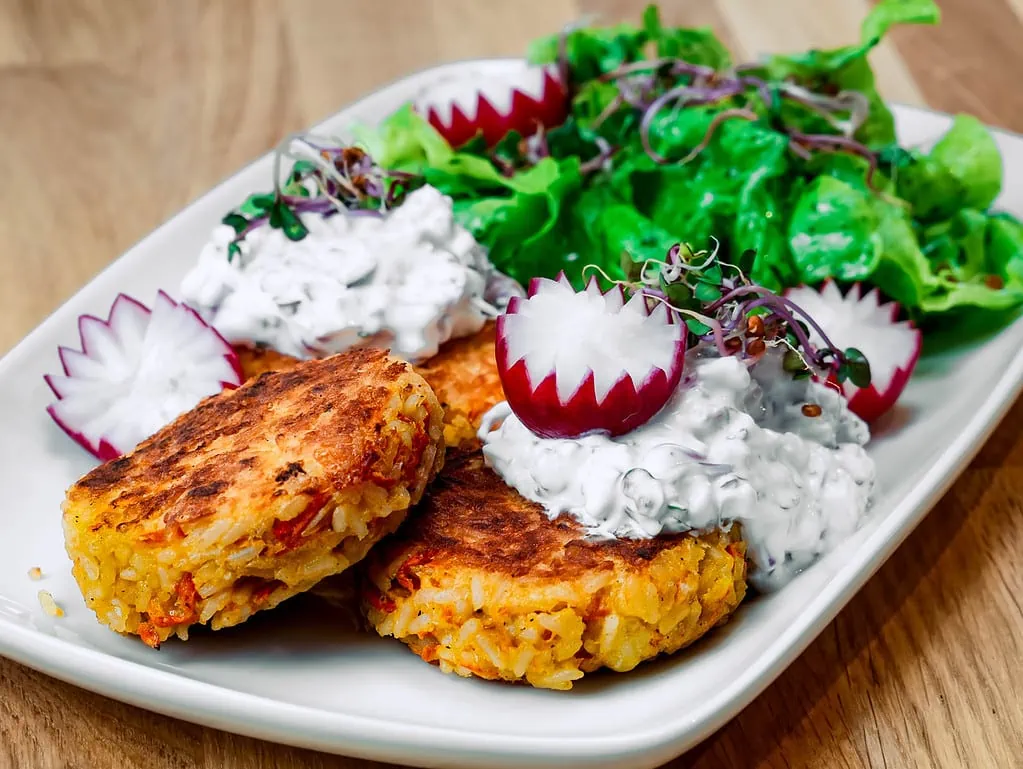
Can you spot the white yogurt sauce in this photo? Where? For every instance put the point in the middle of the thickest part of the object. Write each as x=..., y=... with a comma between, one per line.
x=409, y=280
x=732, y=446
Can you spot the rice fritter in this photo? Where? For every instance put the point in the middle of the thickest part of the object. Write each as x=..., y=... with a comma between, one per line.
x=253, y=496
x=482, y=582
x=463, y=374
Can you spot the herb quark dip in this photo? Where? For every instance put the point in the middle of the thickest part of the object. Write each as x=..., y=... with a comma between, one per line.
x=409, y=279
x=781, y=457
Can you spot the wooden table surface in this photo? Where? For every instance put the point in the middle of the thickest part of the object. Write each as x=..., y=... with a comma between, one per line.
x=116, y=113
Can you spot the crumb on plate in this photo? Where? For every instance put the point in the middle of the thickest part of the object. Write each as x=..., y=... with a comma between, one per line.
x=35, y=573
x=49, y=605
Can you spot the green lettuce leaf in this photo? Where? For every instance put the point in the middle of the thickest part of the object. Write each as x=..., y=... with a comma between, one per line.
x=760, y=225
x=527, y=231
x=832, y=232
x=957, y=245
x=1003, y=241
x=964, y=169
x=592, y=51
x=902, y=272
x=978, y=259
x=921, y=231
x=969, y=154
x=404, y=141
x=847, y=69
x=696, y=45
x=845, y=231
x=888, y=13
x=973, y=296
x=613, y=227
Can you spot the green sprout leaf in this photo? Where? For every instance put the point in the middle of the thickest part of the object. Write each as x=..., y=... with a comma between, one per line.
x=856, y=367
x=235, y=221
x=680, y=295
x=292, y=225
x=707, y=293
x=258, y=204
x=712, y=275
x=284, y=219
x=793, y=363
x=698, y=328
x=233, y=250
x=276, y=217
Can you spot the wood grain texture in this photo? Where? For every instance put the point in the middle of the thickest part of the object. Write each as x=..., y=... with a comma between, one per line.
x=114, y=114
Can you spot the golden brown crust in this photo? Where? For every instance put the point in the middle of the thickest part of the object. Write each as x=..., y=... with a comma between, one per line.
x=472, y=519
x=311, y=430
x=463, y=374
x=259, y=359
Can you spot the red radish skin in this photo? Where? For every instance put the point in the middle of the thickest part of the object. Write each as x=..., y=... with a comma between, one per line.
x=625, y=406
x=860, y=320
x=525, y=114
x=109, y=350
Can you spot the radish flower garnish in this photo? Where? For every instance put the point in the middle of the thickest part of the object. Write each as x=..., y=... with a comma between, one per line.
x=863, y=321
x=137, y=370
x=470, y=104
x=578, y=362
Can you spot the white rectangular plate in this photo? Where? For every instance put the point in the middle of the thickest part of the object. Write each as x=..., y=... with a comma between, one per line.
x=307, y=681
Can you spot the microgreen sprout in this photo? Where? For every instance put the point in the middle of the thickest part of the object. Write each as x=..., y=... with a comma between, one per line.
x=723, y=308
x=326, y=177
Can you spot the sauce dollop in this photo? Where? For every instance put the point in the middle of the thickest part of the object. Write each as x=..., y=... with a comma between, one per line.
x=409, y=280
x=733, y=446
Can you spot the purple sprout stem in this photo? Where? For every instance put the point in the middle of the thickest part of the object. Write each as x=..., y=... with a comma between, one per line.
x=506, y=168
x=609, y=110
x=680, y=93
x=404, y=176
x=852, y=102
x=783, y=306
x=302, y=205
x=797, y=330
x=810, y=104
x=543, y=149
x=606, y=151
x=675, y=259
x=842, y=144
x=683, y=67
x=678, y=67
x=636, y=100
x=299, y=205
x=252, y=225
x=761, y=86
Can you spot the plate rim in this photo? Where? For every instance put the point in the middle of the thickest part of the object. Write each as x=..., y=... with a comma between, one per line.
x=376, y=737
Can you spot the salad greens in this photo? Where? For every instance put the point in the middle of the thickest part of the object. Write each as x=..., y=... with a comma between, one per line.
x=793, y=158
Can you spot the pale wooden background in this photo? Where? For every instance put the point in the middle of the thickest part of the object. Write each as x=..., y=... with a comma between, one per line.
x=116, y=113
